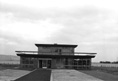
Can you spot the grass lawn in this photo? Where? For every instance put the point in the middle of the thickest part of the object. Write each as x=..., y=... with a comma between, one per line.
x=101, y=75
x=8, y=66
x=111, y=70
x=9, y=72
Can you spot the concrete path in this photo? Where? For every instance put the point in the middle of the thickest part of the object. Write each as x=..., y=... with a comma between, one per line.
x=71, y=75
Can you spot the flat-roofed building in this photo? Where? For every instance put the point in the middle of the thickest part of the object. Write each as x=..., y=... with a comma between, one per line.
x=55, y=56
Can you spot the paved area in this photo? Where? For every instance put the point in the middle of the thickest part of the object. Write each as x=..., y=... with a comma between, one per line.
x=37, y=75
x=66, y=75
x=71, y=75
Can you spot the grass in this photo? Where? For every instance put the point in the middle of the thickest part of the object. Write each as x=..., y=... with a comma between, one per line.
x=9, y=66
x=103, y=73
x=111, y=70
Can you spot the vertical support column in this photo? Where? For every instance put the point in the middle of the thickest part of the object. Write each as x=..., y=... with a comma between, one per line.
x=90, y=63
x=21, y=62
x=77, y=64
x=82, y=63
x=86, y=64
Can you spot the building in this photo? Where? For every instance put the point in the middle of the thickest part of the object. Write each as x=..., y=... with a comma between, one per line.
x=55, y=56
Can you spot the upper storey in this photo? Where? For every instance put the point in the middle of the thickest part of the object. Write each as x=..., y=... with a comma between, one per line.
x=56, y=49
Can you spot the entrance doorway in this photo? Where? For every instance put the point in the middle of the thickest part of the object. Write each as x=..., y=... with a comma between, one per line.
x=40, y=63
x=44, y=63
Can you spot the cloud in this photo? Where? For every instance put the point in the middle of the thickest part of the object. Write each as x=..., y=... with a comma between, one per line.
x=19, y=33
x=39, y=29
x=92, y=28
x=87, y=24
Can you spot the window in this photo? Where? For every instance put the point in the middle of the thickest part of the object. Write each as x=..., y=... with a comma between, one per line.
x=66, y=61
x=59, y=51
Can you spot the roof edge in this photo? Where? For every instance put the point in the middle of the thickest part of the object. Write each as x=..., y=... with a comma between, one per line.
x=54, y=56
x=56, y=45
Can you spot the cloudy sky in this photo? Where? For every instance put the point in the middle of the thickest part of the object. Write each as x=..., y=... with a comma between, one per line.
x=91, y=24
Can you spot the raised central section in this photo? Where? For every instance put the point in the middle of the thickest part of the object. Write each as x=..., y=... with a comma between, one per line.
x=56, y=49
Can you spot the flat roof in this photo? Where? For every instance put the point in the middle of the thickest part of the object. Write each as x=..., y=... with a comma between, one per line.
x=55, y=56
x=56, y=45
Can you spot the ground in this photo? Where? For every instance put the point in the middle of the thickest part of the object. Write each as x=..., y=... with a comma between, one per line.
x=7, y=74
x=71, y=75
x=111, y=70
x=101, y=75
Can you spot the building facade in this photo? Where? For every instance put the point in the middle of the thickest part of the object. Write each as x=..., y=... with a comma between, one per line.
x=55, y=56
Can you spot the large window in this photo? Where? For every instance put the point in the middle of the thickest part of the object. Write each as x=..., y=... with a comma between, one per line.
x=26, y=60
x=81, y=63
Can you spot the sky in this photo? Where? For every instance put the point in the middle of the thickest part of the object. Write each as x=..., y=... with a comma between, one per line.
x=91, y=24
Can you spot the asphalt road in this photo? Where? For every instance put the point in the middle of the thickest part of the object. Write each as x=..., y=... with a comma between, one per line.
x=36, y=75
